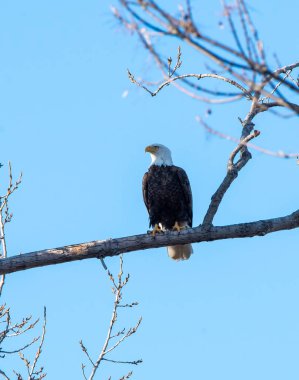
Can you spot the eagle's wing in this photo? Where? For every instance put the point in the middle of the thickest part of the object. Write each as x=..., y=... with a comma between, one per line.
x=184, y=181
x=144, y=190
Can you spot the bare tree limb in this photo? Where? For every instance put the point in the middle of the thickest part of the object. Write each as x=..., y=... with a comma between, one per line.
x=232, y=173
x=114, y=247
x=197, y=76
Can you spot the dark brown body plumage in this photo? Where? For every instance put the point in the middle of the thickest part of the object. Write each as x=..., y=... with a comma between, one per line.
x=167, y=196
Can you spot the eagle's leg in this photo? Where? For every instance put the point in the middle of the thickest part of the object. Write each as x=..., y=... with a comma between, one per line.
x=156, y=230
x=179, y=228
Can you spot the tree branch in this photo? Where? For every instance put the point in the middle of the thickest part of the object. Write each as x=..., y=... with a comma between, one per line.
x=114, y=247
x=215, y=132
x=4, y=375
x=232, y=173
x=247, y=94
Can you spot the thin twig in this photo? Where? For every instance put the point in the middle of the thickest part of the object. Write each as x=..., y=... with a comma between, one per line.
x=21, y=348
x=259, y=44
x=134, y=362
x=234, y=32
x=197, y=76
x=177, y=65
x=4, y=375
x=129, y=333
x=279, y=154
x=83, y=371
x=84, y=349
x=39, y=350
x=127, y=376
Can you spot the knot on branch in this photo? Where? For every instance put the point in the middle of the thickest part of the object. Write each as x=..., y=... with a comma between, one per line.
x=266, y=227
x=206, y=226
x=232, y=171
x=246, y=155
x=247, y=128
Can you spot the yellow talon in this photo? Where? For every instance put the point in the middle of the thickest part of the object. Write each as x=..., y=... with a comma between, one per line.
x=156, y=230
x=177, y=227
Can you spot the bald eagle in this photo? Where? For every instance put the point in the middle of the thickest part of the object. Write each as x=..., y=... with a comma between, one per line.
x=167, y=197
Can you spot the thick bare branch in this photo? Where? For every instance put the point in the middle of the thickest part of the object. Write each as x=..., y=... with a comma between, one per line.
x=114, y=247
x=232, y=173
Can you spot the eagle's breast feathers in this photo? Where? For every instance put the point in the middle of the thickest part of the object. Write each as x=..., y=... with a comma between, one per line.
x=167, y=196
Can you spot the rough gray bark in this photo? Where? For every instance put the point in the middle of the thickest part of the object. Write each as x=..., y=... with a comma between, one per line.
x=114, y=247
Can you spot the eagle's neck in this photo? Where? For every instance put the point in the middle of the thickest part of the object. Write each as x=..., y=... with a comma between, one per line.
x=161, y=160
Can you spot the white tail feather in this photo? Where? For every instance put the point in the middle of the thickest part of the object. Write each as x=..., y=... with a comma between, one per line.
x=180, y=252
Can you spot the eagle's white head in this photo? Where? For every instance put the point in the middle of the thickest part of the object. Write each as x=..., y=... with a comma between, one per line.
x=160, y=154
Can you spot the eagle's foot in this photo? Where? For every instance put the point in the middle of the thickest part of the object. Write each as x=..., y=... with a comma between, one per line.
x=157, y=230
x=178, y=228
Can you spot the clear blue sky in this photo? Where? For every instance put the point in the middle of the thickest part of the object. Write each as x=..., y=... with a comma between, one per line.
x=231, y=312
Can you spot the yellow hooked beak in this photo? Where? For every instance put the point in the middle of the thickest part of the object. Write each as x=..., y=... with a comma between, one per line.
x=151, y=149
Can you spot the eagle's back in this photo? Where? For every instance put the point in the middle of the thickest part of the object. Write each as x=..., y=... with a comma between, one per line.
x=167, y=195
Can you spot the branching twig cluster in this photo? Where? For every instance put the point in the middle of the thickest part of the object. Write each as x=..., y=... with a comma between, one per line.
x=6, y=216
x=245, y=63
x=113, y=340
x=11, y=330
x=244, y=66
x=33, y=372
